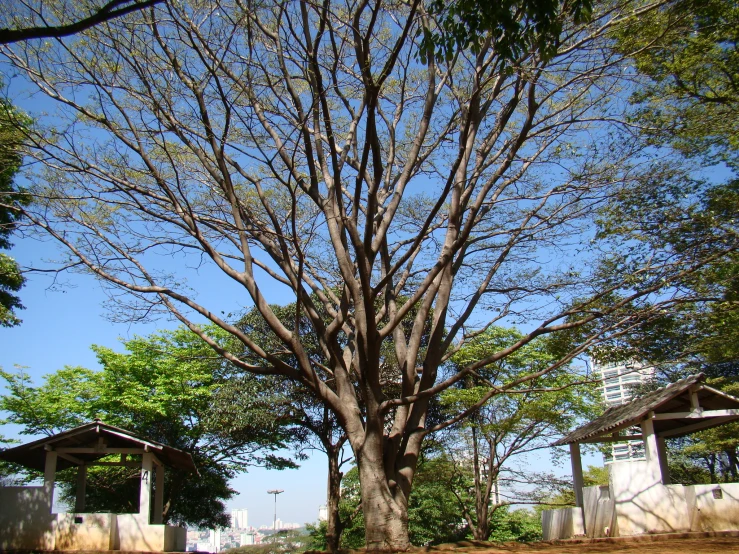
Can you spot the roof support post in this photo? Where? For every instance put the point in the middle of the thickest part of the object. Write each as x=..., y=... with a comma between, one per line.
x=50, y=476
x=147, y=464
x=79, y=499
x=158, y=495
x=577, y=478
x=654, y=450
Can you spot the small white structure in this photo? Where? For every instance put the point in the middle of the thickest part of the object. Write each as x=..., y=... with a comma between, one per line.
x=26, y=519
x=639, y=498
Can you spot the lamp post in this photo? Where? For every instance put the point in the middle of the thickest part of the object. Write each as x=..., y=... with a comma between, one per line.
x=274, y=525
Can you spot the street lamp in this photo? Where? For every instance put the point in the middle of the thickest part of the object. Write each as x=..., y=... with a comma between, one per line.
x=274, y=525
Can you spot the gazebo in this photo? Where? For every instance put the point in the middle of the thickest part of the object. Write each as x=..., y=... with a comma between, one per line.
x=640, y=498
x=26, y=518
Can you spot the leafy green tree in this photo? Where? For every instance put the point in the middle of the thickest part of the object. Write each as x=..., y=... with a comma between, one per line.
x=12, y=123
x=522, y=419
x=686, y=95
x=519, y=525
x=169, y=387
x=511, y=26
x=685, y=52
x=434, y=514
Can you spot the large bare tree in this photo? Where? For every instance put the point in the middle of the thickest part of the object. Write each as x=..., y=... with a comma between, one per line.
x=307, y=145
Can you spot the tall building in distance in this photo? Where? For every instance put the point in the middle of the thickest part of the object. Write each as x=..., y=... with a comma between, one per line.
x=239, y=519
x=617, y=382
x=322, y=513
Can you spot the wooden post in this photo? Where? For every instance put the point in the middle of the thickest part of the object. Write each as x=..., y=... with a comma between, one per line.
x=50, y=476
x=147, y=460
x=79, y=500
x=158, y=495
x=577, y=479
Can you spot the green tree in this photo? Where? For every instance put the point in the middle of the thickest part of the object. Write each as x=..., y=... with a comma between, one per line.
x=686, y=95
x=685, y=51
x=169, y=387
x=521, y=525
x=306, y=148
x=522, y=419
x=12, y=123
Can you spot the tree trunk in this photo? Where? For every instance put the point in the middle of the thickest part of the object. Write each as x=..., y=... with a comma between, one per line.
x=480, y=531
x=334, y=524
x=385, y=511
x=731, y=454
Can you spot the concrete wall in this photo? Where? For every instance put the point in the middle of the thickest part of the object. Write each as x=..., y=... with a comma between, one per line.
x=564, y=523
x=26, y=521
x=598, y=512
x=709, y=513
x=134, y=533
x=643, y=504
x=85, y=531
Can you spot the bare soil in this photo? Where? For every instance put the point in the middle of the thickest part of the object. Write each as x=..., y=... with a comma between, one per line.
x=703, y=545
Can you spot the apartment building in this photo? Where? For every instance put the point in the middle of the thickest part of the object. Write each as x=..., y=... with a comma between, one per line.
x=617, y=382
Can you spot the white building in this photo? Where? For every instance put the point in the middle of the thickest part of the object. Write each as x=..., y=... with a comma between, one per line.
x=214, y=541
x=322, y=513
x=248, y=539
x=618, y=380
x=239, y=519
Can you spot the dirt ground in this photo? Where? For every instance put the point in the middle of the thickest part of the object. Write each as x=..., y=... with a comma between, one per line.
x=708, y=545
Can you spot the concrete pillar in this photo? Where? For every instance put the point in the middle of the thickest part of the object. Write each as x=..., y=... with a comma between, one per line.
x=158, y=495
x=651, y=448
x=79, y=500
x=577, y=479
x=50, y=476
x=147, y=464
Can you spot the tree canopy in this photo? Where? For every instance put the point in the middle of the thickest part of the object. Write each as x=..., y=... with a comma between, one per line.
x=12, y=124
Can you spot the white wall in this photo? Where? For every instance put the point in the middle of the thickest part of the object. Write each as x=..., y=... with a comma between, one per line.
x=643, y=504
x=598, y=512
x=26, y=521
x=88, y=532
x=564, y=523
x=714, y=514
x=134, y=533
